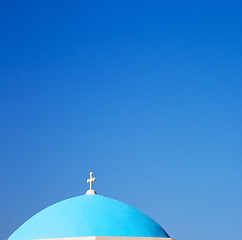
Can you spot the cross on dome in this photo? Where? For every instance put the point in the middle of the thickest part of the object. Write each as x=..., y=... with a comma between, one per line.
x=91, y=180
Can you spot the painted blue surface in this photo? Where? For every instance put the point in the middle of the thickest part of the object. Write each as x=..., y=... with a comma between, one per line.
x=88, y=215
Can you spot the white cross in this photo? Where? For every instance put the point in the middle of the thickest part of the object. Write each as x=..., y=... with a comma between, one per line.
x=91, y=180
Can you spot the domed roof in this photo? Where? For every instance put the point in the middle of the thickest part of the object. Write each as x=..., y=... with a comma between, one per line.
x=88, y=215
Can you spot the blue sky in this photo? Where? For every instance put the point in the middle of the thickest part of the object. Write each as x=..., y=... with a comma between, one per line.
x=146, y=94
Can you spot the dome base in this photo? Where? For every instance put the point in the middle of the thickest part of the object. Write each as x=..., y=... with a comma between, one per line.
x=109, y=238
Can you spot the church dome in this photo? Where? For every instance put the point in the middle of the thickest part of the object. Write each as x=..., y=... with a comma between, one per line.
x=88, y=215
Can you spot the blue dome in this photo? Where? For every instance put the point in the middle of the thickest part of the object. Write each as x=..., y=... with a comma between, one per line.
x=88, y=215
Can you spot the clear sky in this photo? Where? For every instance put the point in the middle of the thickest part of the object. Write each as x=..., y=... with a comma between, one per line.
x=146, y=94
